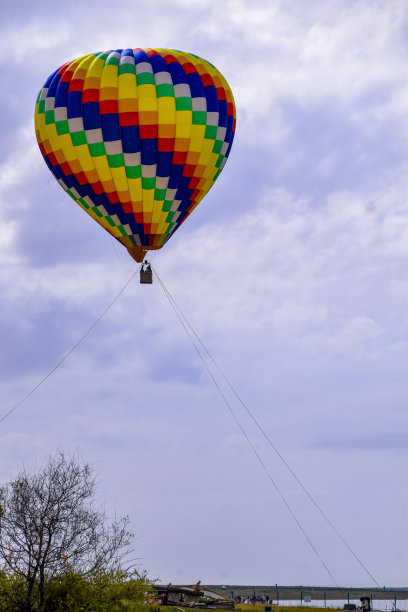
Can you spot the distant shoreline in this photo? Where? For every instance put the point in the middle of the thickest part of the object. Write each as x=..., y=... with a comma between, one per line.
x=300, y=591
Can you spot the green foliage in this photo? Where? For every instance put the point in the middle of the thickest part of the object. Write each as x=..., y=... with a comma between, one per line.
x=115, y=591
x=3, y=591
x=11, y=589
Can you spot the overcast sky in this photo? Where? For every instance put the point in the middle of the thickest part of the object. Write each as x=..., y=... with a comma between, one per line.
x=293, y=271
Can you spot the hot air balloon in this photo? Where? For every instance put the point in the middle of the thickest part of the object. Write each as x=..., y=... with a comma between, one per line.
x=136, y=138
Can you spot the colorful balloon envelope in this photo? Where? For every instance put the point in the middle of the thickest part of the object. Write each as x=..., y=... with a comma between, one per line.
x=136, y=138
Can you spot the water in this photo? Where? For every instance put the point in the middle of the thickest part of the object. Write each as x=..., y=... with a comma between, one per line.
x=378, y=604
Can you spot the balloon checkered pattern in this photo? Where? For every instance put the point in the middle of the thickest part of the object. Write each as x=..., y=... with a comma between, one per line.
x=136, y=137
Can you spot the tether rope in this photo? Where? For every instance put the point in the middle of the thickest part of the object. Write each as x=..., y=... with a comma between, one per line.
x=264, y=467
x=267, y=438
x=61, y=361
x=185, y=324
x=184, y=321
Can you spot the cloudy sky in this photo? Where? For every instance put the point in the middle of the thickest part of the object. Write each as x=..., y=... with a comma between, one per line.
x=293, y=271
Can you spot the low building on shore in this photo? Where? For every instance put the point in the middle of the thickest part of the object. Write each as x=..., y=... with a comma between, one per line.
x=191, y=596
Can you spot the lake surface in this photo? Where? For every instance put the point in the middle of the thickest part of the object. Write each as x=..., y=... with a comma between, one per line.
x=378, y=604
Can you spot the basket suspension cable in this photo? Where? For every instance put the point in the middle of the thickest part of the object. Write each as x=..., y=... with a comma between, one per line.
x=273, y=446
x=179, y=313
x=259, y=458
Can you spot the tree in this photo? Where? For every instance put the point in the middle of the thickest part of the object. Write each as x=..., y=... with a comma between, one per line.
x=105, y=592
x=51, y=526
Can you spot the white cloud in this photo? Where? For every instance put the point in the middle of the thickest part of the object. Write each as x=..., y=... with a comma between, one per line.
x=294, y=252
x=23, y=43
x=13, y=175
x=23, y=158
x=331, y=53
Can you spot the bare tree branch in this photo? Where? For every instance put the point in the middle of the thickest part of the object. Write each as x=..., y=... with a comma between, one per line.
x=51, y=524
